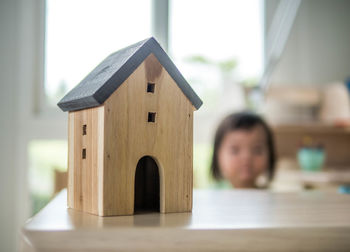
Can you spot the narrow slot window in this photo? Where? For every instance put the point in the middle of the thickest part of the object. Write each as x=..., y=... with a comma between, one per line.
x=150, y=87
x=151, y=116
x=84, y=129
x=84, y=153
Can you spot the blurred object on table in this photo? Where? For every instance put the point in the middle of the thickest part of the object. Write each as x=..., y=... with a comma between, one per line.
x=287, y=176
x=330, y=177
x=345, y=189
x=311, y=158
x=61, y=180
x=327, y=104
x=319, y=113
x=289, y=104
x=347, y=84
x=335, y=105
x=335, y=141
x=290, y=178
x=311, y=155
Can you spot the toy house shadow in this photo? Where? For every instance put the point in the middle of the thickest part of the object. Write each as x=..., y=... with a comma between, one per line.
x=151, y=219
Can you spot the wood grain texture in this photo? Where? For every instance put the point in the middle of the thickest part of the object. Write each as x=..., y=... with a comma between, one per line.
x=129, y=124
x=119, y=135
x=229, y=220
x=85, y=176
x=129, y=136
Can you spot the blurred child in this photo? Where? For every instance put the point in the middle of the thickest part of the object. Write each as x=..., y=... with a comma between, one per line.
x=243, y=150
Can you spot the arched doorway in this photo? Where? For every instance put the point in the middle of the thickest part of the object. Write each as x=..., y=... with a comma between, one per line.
x=147, y=186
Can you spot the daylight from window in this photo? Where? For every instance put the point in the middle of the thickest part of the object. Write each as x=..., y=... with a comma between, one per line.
x=218, y=49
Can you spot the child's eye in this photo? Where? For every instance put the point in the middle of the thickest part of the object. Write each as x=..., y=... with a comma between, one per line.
x=234, y=150
x=258, y=150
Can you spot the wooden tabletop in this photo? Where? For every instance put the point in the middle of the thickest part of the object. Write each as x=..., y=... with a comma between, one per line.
x=235, y=220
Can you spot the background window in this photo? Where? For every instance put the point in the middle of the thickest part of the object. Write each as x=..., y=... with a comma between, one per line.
x=219, y=50
x=80, y=34
x=45, y=157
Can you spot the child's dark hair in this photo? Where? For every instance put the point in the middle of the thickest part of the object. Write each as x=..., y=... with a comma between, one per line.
x=241, y=121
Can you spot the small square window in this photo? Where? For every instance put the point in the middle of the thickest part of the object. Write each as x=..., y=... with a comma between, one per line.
x=150, y=87
x=84, y=154
x=151, y=116
x=84, y=129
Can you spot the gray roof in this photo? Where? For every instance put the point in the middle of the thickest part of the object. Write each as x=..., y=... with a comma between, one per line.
x=99, y=84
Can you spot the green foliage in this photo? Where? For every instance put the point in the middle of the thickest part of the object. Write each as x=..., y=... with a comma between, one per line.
x=201, y=162
x=250, y=82
x=225, y=66
x=44, y=156
x=199, y=59
x=39, y=201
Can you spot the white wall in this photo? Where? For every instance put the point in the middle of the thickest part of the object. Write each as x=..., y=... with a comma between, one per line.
x=9, y=29
x=318, y=49
x=21, y=68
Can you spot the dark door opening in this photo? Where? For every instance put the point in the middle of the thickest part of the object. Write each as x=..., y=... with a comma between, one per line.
x=147, y=197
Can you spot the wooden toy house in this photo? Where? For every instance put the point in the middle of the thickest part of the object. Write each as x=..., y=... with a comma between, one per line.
x=130, y=135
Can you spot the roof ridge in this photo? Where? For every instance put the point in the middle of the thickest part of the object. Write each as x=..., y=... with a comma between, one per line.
x=106, y=77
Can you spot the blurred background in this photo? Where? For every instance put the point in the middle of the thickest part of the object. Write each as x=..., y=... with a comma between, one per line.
x=288, y=60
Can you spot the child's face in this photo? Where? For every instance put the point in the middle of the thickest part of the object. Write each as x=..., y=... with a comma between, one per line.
x=243, y=156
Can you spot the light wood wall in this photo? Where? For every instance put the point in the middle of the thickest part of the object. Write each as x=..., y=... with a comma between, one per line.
x=119, y=135
x=129, y=137
x=85, y=175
